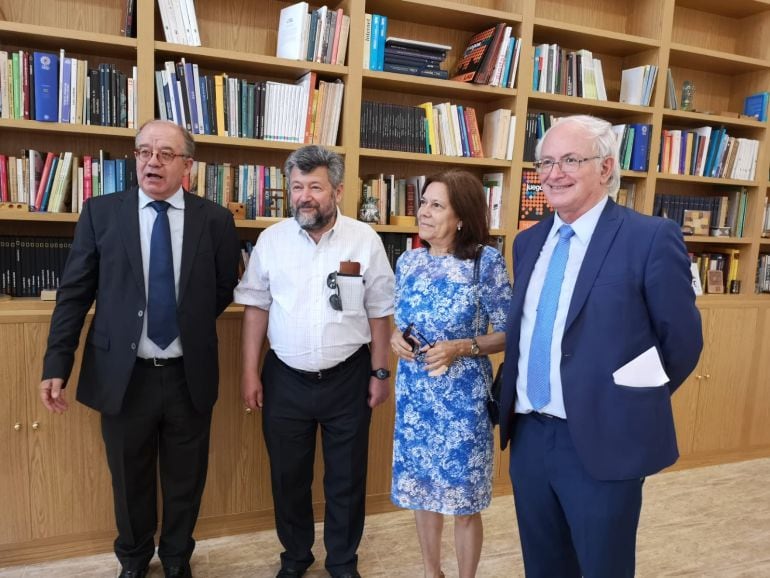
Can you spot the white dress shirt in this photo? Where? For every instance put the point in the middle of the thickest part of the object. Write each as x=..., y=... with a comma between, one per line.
x=287, y=276
x=584, y=229
x=147, y=216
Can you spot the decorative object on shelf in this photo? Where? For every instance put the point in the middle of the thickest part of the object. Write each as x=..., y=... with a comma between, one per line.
x=369, y=211
x=755, y=105
x=688, y=96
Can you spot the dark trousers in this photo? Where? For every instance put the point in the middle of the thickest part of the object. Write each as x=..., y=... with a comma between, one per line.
x=294, y=406
x=157, y=426
x=571, y=525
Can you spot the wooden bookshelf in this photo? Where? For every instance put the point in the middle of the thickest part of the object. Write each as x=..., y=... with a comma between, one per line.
x=55, y=469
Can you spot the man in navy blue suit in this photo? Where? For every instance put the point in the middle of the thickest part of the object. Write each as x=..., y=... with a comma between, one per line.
x=603, y=329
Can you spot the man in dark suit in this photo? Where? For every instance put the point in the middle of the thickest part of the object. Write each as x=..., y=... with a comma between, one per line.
x=160, y=265
x=603, y=328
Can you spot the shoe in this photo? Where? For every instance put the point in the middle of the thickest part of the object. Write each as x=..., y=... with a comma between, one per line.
x=177, y=571
x=133, y=573
x=353, y=574
x=289, y=573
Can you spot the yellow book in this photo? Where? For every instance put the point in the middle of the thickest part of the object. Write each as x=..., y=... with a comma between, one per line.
x=219, y=100
x=688, y=152
x=428, y=107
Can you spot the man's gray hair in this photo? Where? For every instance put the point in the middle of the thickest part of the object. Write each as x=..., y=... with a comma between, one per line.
x=189, y=143
x=605, y=143
x=310, y=157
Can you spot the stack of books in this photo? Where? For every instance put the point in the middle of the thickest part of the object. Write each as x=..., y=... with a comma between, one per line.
x=415, y=57
x=574, y=73
x=317, y=36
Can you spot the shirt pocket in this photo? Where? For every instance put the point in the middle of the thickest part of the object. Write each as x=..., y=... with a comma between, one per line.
x=351, y=292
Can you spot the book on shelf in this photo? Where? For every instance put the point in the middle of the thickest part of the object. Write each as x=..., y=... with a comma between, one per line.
x=46, y=86
x=480, y=55
x=180, y=23
x=496, y=133
x=493, y=187
x=636, y=84
x=293, y=26
x=696, y=222
x=533, y=205
x=128, y=24
x=755, y=105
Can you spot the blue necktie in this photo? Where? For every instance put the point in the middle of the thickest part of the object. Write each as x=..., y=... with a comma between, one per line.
x=539, y=368
x=162, y=326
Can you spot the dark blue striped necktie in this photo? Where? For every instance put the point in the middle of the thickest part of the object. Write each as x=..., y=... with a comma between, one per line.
x=162, y=327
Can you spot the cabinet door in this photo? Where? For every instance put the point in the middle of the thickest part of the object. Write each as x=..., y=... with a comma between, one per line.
x=759, y=408
x=685, y=402
x=239, y=476
x=14, y=429
x=70, y=486
x=726, y=363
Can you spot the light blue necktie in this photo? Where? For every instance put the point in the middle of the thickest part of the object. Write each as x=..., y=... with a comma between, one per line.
x=539, y=368
x=162, y=326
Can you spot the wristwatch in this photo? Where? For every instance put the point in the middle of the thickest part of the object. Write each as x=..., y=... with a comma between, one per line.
x=381, y=373
x=474, y=347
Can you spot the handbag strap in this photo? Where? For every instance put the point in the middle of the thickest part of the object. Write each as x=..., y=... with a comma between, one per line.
x=477, y=316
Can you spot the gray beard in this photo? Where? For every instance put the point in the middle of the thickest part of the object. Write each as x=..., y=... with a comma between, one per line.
x=315, y=221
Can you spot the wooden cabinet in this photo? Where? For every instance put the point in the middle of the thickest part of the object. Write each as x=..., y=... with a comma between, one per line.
x=55, y=478
x=56, y=471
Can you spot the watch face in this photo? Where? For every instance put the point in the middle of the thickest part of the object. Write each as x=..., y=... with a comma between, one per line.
x=381, y=373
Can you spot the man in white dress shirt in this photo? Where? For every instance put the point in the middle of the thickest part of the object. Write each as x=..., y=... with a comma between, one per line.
x=320, y=288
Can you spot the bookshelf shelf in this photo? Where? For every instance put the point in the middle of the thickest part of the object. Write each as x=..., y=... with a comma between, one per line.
x=606, y=108
x=251, y=143
x=437, y=159
x=715, y=61
x=234, y=61
x=707, y=240
x=704, y=180
x=700, y=118
x=443, y=89
x=50, y=38
x=598, y=40
x=64, y=129
x=445, y=14
x=41, y=218
x=733, y=9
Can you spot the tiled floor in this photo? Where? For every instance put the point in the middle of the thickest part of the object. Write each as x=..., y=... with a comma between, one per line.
x=708, y=522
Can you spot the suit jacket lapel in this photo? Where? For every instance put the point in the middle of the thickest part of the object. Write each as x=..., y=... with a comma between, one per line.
x=194, y=218
x=128, y=222
x=601, y=241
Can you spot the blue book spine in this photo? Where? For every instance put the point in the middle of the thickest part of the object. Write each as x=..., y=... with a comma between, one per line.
x=189, y=82
x=374, y=42
x=508, y=59
x=108, y=176
x=205, y=105
x=641, y=147
x=716, y=137
x=46, y=79
x=49, y=184
x=381, y=42
x=65, y=89
x=463, y=132
x=120, y=174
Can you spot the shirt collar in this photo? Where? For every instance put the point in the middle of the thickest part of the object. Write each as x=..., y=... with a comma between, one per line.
x=584, y=225
x=176, y=200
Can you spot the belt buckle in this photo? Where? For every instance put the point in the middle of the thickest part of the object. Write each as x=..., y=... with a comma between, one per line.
x=155, y=361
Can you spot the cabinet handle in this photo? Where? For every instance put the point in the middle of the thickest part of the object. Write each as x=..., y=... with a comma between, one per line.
x=17, y=426
x=248, y=410
x=35, y=425
x=708, y=376
x=698, y=377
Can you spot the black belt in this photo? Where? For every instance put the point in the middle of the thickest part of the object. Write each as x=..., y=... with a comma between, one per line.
x=158, y=361
x=322, y=374
x=541, y=414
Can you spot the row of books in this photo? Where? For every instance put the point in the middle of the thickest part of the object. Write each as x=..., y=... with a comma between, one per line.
x=227, y=106
x=763, y=274
x=537, y=123
x=260, y=189
x=180, y=24
x=62, y=182
x=320, y=35
x=573, y=73
x=708, y=152
x=715, y=272
x=766, y=219
x=718, y=215
x=637, y=84
x=633, y=145
x=375, y=35
x=53, y=87
x=491, y=57
x=29, y=265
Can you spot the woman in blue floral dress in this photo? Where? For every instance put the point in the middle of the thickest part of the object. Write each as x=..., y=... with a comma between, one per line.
x=442, y=451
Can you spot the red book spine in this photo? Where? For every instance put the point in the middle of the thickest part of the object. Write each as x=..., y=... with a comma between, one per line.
x=43, y=181
x=88, y=190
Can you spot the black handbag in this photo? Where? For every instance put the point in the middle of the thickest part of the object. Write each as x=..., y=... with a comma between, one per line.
x=493, y=389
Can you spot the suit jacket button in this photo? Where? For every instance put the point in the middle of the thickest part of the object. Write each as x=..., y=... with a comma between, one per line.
x=140, y=313
x=133, y=346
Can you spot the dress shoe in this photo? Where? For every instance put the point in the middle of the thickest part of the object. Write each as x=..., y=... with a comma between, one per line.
x=133, y=573
x=353, y=574
x=177, y=571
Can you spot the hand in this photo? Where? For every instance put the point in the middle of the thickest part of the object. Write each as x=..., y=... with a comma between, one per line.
x=439, y=357
x=379, y=390
x=251, y=390
x=52, y=395
x=400, y=346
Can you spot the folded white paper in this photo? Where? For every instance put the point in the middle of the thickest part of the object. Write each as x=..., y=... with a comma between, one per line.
x=645, y=370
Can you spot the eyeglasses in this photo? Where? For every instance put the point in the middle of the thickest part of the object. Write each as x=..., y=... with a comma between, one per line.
x=334, y=299
x=566, y=165
x=164, y=157
x=410, y=334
